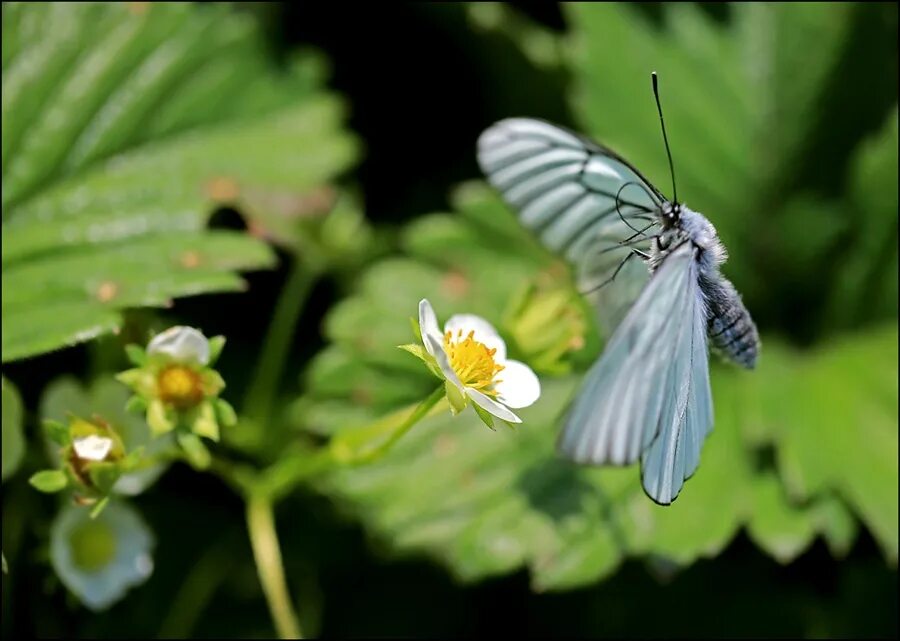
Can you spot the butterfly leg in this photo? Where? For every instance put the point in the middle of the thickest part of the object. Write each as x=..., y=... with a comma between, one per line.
x=631, y=254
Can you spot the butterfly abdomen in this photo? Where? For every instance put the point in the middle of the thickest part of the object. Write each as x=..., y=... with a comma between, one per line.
x=730, y=329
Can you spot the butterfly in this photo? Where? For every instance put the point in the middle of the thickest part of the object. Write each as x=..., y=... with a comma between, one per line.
x=648, y=396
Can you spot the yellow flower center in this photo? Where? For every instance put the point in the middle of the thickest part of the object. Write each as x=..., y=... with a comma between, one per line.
x=179, y=386
x=472, y=361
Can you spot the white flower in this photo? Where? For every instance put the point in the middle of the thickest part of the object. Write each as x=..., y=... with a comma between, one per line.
x=92, y=447
x=472, y=356
x=182, y=344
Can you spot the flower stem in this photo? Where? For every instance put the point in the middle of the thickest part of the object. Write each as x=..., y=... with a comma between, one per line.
x=264, y=384
x=269, y=566
x=350, y=449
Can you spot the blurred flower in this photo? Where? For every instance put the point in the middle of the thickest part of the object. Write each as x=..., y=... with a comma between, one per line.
x=92, y=459
x=547, y=322
x=106, y=397
x=471, y=358
x=100, y=559
x=175, y=384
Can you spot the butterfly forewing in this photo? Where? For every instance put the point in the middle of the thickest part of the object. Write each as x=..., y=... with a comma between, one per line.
x=674, y=454
x=581, y=199
x=616, y=414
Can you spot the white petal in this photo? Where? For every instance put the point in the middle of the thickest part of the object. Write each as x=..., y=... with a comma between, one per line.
x=93, y=447
x=428, y=324
x=492, y=406
x=182, y=344
x=437, y=349
x=484, y=332
x=519, y=385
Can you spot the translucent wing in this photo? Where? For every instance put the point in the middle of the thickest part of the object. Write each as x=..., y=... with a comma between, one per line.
x=648, y=394
x=580, y=198
x=674, y=454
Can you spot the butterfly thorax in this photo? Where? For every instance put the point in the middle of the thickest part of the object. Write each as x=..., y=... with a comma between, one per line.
x=680, y=224
x=730, y=329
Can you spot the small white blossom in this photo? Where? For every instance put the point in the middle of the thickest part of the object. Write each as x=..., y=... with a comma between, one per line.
x=92, y=447
x=183, y=344
x=472, y=356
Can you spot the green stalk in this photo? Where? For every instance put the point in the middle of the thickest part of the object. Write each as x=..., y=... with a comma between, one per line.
x=269, y=566
x=350, y=449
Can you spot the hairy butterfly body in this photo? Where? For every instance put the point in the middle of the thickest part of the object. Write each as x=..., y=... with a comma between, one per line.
x=647, y=397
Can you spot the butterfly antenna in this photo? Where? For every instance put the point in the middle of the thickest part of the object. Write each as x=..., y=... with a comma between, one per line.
x=665, y=138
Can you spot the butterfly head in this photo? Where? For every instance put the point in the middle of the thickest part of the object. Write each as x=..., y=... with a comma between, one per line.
x=671, y=215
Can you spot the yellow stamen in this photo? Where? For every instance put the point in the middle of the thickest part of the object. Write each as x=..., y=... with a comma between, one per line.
x=473, y=362
x=179, y=386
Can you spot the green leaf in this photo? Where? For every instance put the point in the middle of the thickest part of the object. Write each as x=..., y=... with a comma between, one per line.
x=516, y=504
x=839, y=432
x=736, y=128
x=13, y=437
x=781, y=529
x=125, y=139
x=49, y=481
x=867, y=281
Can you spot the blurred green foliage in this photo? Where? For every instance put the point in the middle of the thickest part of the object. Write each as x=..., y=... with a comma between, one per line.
x=126, y=126
x=123, y=127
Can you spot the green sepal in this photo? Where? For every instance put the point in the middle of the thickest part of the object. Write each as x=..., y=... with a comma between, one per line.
x=216, y=343
x=49, y=481
x=415, y=327
x=486, y=417
x=458, y=400
x=57, y=432
x=197, y=454
x=422, y=354
x=211, y=382
x=205, y=422
x=136, y=404
x=130, y=377
x=132, y=460
x=158, y=418
x=225, y=413
x=103, y=475
x=136, y=355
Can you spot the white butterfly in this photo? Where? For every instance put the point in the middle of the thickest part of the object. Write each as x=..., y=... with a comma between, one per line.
x=648, y=395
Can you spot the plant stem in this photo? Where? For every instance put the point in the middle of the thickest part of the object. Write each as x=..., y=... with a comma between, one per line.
x=264, y=384
x=269, y=566
x=359, y=456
